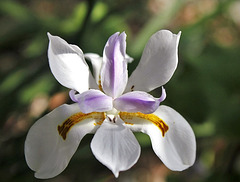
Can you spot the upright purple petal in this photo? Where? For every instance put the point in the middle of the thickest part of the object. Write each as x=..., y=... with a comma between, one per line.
x=137, y=101
x=114, y=74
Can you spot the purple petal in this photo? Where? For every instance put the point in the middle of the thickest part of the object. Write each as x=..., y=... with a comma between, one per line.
x=137, y=101
x=163, y=96
x=73, y=96
x=94, y=101
x=114, y=74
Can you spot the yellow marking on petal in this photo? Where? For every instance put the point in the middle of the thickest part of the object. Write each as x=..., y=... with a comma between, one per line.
x=129, y=123
x=99, y=122
x=99, y=84
x=65, y=127
x=150, y=117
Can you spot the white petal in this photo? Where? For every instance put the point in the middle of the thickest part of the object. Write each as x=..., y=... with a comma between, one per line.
x=96, y=62
x=177, y=146
x=46, y=152
x=157, y=64
x=129, y=59
x=114, y=73
x=67, y=64
x=115, y=146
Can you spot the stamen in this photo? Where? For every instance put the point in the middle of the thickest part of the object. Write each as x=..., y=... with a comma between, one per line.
x=76, y=118
x=109, y=119
x=126, y=117
x=132, y=88
x=112, y=119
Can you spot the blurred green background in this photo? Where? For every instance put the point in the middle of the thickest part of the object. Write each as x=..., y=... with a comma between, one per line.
x=205, y=88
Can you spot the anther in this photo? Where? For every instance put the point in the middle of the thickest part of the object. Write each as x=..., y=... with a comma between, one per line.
x=132, y=88
x=109, y=118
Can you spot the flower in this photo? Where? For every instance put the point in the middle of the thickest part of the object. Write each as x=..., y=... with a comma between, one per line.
x=112, y=106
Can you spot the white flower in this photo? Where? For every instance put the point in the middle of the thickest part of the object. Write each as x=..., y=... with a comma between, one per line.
x=111, y=106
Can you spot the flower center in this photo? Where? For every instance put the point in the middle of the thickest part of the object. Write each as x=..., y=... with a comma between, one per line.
x=99, y=117
x=113, y=112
